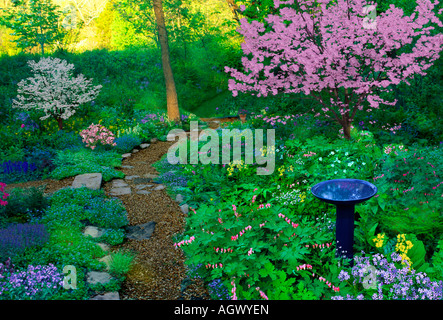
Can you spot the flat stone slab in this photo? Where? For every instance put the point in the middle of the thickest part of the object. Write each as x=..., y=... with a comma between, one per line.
x=142, y=180
x=179, y=198
x=104, y=246
x=127, y=167
x=160, y=187
x=94, y=277
x=120, y=191
x=92, y=231
x=141, y=231
x=142, y=192
x=150, y=176
x=126, y=155
x=142, y=186
x=107, y=296
x=131, y=177
x=118, y=183
x=90, y=180
x=135, y=150
x=144, y=145
x=107, y=261
x=185, y=208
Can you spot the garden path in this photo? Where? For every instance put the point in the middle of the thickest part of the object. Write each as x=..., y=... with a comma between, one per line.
x=159, y=272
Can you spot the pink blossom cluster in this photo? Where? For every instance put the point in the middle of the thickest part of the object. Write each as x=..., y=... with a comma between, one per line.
x=294, y=51
x=309, y=154
x=327, y=245
x=304, y=267
x=233, y=290
x=329, y=284
x=189, y=241
x=393, y=129
x=214, y=266
x=294, y=225
x=222, y=250
x=262, y=224
x=5, y=195
x=233, y=238
x=250, y=251
x=262, y=294
x=97, y=133
x=379, y=177
x=261, y=206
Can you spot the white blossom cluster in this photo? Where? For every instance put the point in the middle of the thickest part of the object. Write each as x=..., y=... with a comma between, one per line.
x=54, y=90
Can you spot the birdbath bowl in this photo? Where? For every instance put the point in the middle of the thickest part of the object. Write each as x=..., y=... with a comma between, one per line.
x=344, y=194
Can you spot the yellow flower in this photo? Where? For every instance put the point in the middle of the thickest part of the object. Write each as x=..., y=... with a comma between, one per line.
x=379, y=240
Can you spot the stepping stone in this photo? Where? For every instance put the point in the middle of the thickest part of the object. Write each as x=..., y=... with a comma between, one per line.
x=128, y=167
x=131, y=177
x=135, y=150
x=107, y=260
x=126, y=155
x=142, y=186
x=185, y=208
x=107, y=296
x=144, y=145
x=142, y=192
x=142, y=180
x=150, y=175
x=93, y=232
x=104, y=246
x=179, y=198
x=160, y=187
x=90, y=180
x=154, y=140
x=94, y=277
x=120, y=191
x=141, y=231
x=118, y=183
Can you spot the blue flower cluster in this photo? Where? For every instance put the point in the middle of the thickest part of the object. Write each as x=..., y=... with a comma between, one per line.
x=18, y=237
x=391, y=283
x=218, y=290
x=34, y=283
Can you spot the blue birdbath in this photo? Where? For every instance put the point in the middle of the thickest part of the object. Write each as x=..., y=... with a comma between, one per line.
x=344, y=194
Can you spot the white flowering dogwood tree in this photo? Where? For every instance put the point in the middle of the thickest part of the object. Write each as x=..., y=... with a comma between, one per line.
x=54, y=90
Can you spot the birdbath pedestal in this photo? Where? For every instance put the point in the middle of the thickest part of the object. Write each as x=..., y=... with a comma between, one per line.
x=344, y=194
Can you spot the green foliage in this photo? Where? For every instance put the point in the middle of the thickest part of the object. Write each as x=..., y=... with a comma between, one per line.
x=24, y=204
x=35, y=23
x=85, y=204
x=126, y=143
x=71, y=162
x=121, y=263
x=262, y=246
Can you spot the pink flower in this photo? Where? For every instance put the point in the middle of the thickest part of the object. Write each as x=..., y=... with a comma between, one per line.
x=23, y=125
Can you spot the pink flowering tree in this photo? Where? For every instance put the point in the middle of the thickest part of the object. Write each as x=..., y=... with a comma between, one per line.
x=54, y=90
x=336, y=52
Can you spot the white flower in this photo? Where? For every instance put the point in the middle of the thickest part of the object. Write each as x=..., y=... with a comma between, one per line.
x=364, y=163
x=350, y=163
x=332, y=165
x=320, y=159
x=344, y=171
x=346, y=153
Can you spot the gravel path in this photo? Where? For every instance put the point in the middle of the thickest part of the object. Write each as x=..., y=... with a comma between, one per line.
x=159, y=272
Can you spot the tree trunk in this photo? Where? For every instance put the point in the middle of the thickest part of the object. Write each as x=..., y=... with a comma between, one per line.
x=171, y=93
x=60, y=123
x=346, y=129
